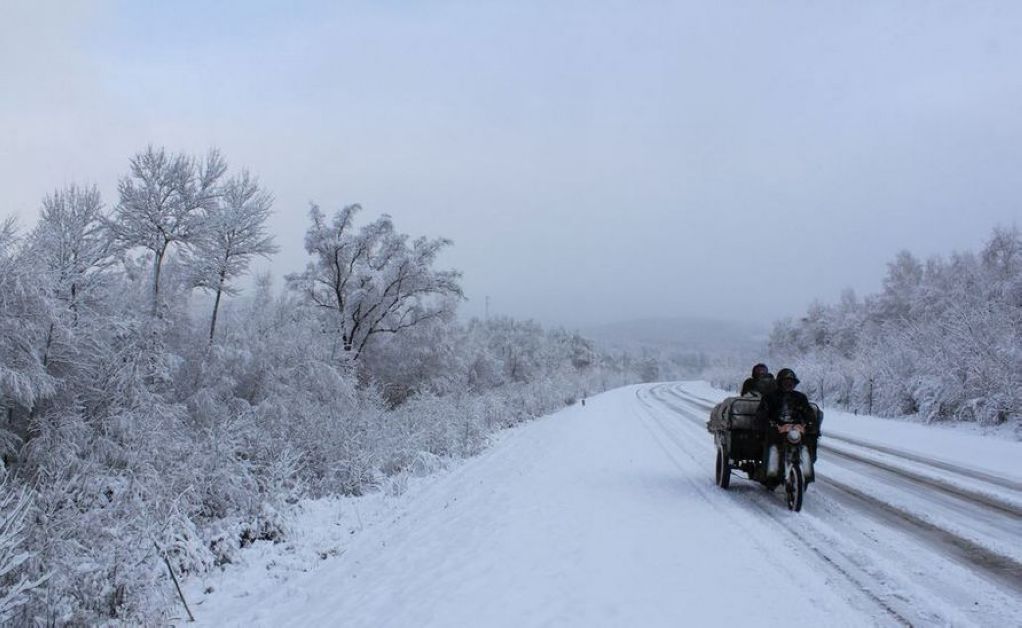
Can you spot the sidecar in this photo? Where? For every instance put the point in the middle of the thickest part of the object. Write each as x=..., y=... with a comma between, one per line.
x=740, y=436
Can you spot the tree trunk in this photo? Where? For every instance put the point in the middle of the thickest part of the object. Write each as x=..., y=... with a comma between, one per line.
x=74, y=304
x=46, y=362
x=49, y=343
x=216, y=307
x=157, y=266
x=869, y=411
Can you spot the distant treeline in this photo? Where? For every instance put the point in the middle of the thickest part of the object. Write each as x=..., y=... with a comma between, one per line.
x=942, y=340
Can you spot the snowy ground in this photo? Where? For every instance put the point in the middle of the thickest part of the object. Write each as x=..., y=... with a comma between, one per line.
x=607, y=515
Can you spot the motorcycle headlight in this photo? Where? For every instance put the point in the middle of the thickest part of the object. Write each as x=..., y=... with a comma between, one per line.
x=794, y=437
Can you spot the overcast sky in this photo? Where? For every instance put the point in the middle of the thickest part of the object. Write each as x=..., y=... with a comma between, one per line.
x=592, y=161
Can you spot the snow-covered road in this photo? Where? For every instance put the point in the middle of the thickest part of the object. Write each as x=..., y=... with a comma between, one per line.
x=607, y=515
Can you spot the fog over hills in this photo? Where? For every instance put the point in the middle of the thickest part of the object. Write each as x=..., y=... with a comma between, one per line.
x=685, y=333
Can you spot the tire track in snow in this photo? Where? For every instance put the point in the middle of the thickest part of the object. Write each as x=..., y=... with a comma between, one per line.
x=980, y=499
x=1002, y=568
x=975, y=474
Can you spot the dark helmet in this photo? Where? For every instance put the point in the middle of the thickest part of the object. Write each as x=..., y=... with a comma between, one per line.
x=784, y=374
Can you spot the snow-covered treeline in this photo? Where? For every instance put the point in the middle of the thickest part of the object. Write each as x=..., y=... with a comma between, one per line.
x=942, y=340
x=144, y=427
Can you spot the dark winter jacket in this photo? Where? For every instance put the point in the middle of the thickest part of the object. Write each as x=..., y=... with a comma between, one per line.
x=786, y=407
x=763, y=385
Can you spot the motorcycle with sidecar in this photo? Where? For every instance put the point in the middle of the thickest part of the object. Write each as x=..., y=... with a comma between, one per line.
x=769, y=454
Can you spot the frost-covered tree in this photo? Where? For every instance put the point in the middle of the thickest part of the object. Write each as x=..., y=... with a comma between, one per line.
x=519, y=345
x=372, y=280
x=162, y=202
x=904, y=276
x=25, y=317
x=1002, y=258
x=73, y=241
x=941, y=339
x=71, y=248
x=233, y=232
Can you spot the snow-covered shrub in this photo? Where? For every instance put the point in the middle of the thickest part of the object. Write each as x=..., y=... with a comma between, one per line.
x=15, y=583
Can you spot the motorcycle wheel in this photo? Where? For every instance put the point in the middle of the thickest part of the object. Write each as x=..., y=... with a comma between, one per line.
x=794, y=487
x=722, y=469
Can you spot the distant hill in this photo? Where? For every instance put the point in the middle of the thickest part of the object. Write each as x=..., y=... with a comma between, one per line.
x=685, y=334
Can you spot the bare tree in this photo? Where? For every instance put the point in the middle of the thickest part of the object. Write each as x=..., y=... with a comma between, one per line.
x=373, y=281
x=234, y=231
x=161, y=202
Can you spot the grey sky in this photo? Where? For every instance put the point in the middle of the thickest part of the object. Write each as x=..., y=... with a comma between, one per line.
x=593, y=161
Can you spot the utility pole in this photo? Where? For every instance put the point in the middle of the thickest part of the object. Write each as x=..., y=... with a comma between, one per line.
x=487, y=308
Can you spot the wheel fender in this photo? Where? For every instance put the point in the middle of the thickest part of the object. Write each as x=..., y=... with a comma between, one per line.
x=773, y=461
x=807, y=465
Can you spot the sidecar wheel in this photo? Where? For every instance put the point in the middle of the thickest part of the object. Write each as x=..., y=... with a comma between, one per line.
x=794, y=487
x=722, y=469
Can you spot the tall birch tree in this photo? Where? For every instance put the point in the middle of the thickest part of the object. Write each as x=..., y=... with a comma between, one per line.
x=234, y=232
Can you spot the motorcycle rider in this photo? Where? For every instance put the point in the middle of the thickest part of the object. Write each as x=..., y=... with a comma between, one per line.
x=762, y=381
x=785, y=405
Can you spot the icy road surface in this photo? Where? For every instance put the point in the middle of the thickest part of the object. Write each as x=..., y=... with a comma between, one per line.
x=607, y=515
